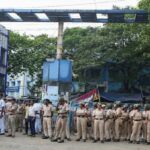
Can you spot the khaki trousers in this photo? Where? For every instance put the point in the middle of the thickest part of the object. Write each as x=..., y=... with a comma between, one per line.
x=130, y=125
x=136, y=130
x=61, y=128
x=6, y=122
x=148, y=131
x=19, y=122
x=47, y=126
x=118, y=128
x=144, y=129
x=124, y=132
x=99, y=125
x=81, y=127
x=11, y=125
x=109, y=129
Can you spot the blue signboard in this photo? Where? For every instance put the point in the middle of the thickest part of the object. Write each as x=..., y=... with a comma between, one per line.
x=13, y=89
x=54, y=70
x=57, y=70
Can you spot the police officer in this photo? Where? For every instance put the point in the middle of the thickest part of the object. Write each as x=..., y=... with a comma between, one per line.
x=12, y=118
x=148, y=124
x=2, y=109
x=61, y=122
x=99, y=117
x=125, y=119
x=118, y=121
x=81, y=123
x=19, y=117
x=137, y=124
x=47, y=111
x=7, y=107
x=109, y=121
x=144, y=123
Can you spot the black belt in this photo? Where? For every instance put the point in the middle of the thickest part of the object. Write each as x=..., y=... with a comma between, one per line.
x=47, y=116
x=137, y=120
x=81, y=116
x=12, y=114
x=99, y=118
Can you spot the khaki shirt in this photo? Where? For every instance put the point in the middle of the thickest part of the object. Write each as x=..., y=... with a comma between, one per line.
x=99, y=114
x=110, y=114
x=63, y=109
x=148, y=115
x=81, y=112
x=13, y=109
x=118, y=112
x=144, y=114
x=137, y=115
x=47, y=110
x=125, y=115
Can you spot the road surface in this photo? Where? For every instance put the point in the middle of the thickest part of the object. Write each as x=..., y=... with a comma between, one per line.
x=22, y=142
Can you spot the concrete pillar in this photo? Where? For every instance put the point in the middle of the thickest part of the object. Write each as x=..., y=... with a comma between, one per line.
x=60, y=40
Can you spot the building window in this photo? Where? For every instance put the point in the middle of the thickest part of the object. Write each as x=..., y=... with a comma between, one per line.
x=18, y=83
x=7, y=84
x=3, y=55
x=13, y=83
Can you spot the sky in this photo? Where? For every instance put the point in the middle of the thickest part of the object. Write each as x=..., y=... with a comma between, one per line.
x=52, y=28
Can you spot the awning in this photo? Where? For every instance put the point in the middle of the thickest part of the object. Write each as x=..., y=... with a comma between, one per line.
x=125, y=98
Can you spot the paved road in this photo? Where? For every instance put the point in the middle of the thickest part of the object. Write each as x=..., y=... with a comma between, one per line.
x=22, y=142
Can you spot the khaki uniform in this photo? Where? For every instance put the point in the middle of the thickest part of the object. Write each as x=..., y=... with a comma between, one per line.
x=81, y=123
x=148, y=126
x=47, y=120
x=109, y=124
x=19, y=118
x=89, y=124
x=125, y=119
x=118, y=123
x=130, y=123
x=7, y=107
x=62, y=121
x=137, y=124
x=144, y=125
x=99, y=117
x=12, y=120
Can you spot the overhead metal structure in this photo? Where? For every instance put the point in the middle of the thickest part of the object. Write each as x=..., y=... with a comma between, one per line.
x=67, y=15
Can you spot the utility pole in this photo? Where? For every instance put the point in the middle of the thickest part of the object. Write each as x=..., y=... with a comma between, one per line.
x=60, y=40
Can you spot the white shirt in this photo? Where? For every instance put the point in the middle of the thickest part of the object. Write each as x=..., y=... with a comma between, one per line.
x=2, y=104
x=32, y=111
x=37, y=107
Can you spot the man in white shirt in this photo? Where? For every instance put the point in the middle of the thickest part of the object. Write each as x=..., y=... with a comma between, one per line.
x=38, y=106
x=32, y=113
x=2, y=123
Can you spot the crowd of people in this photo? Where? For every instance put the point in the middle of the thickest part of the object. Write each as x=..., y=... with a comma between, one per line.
x=104, y=123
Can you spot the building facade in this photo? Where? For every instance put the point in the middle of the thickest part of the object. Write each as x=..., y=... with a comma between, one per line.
x=3, y=58
x=18, y=86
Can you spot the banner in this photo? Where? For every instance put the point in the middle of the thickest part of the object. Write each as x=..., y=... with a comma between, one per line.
x=92, y=95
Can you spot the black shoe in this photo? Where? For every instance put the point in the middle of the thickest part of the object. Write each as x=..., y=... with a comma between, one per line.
x=148, y=143
x=102, y=141
x=130, y=142
x=68, y=139
x=54, y=140
x=138, y=142
x=94, y=141
x=61, y=141
x=84, y=140
x=108, y=140
x=117, y=140
x=2, y=133
x=44, y=137
x=77, y=139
